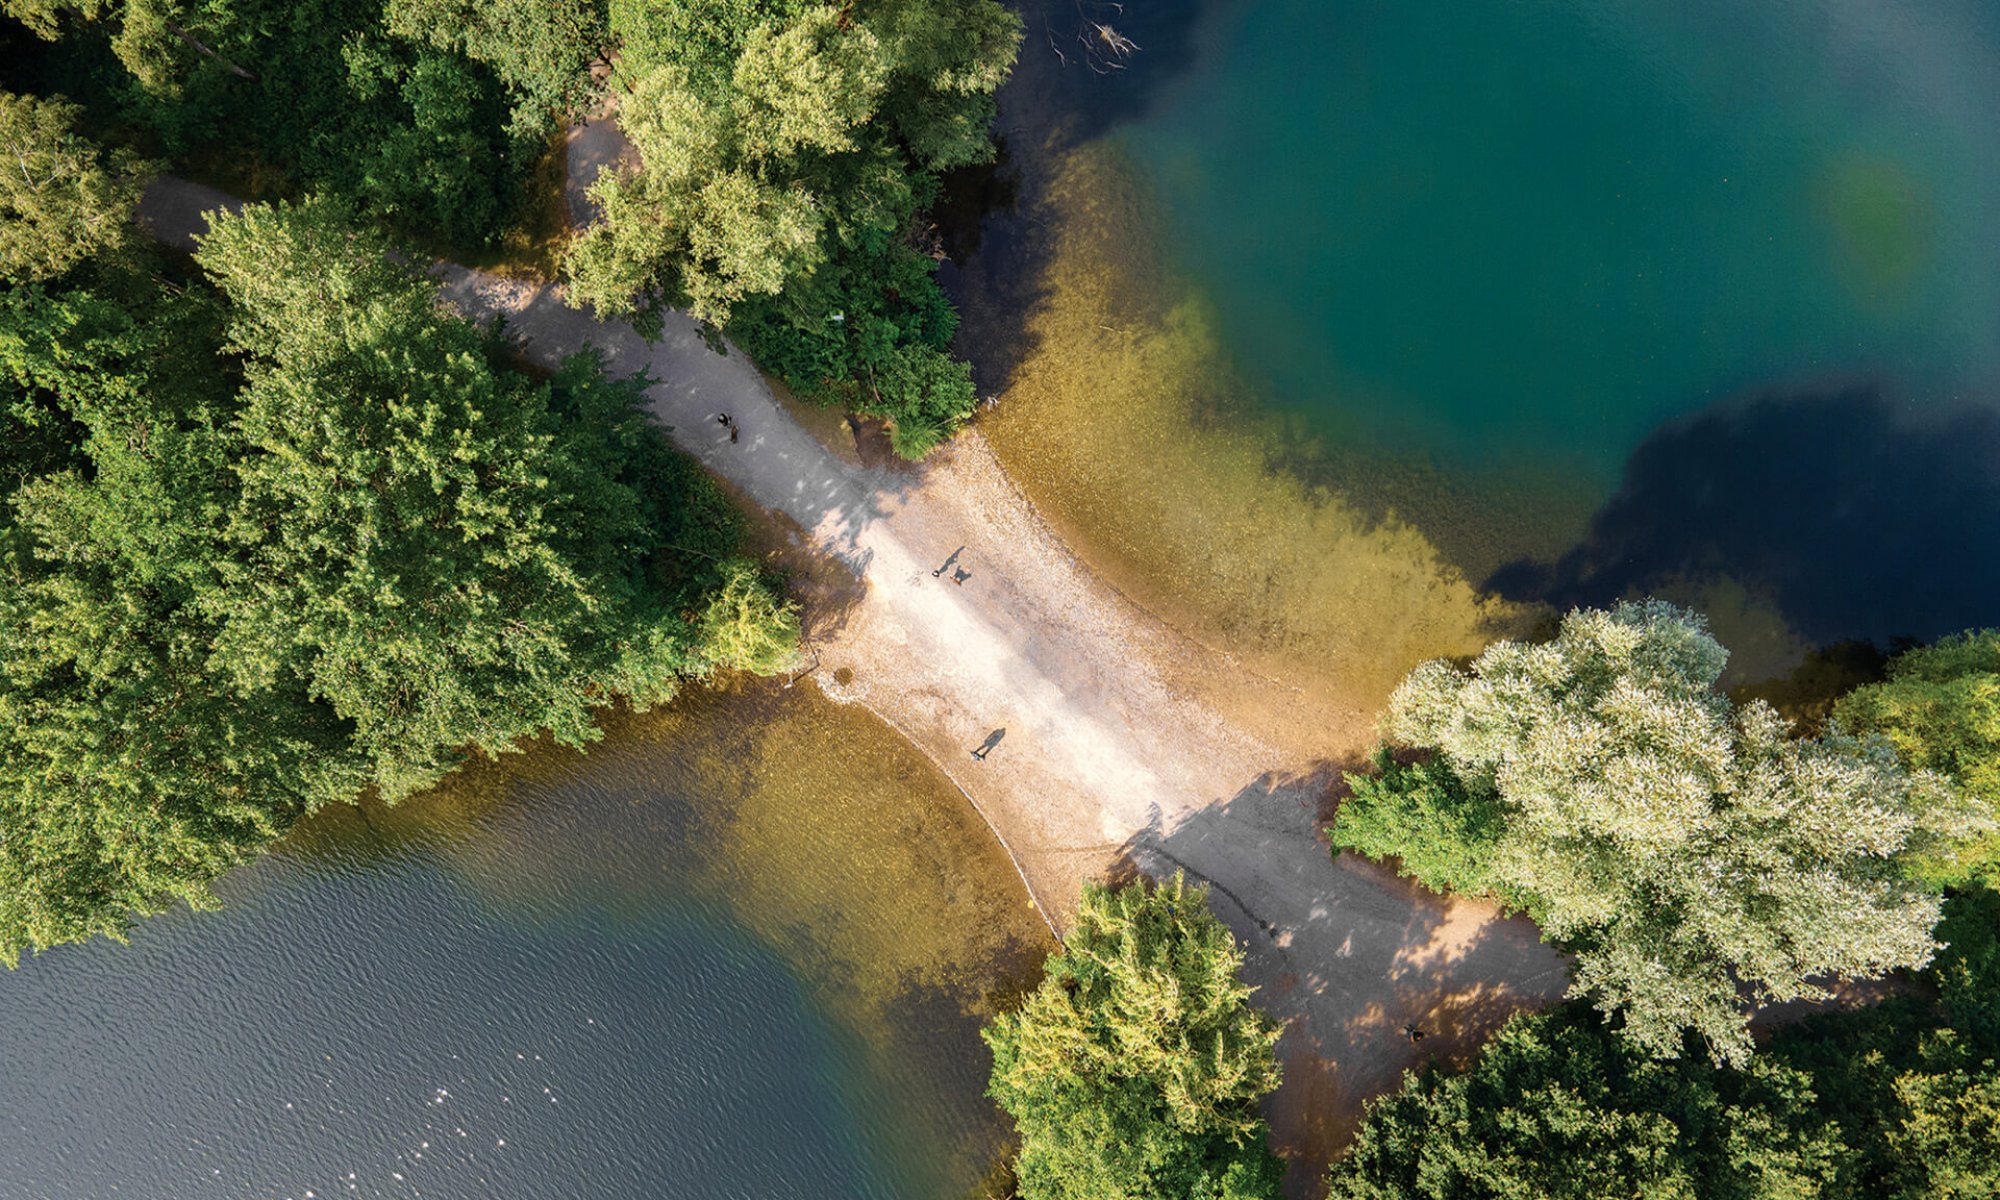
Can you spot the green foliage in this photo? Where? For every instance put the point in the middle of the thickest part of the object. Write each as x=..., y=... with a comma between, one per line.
x=746, y=628
x=1681, y=847
x=273, y=541
x=1940, y=709
x=63, y=199
x=1559, y=1107
x=1134, y=1070
x=541, y=50
x=1900, y=1101
x=291, y=96
x=786, y=150
x=1421, y=813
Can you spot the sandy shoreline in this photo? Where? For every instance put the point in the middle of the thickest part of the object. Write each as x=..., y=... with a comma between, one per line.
x=1120, y=749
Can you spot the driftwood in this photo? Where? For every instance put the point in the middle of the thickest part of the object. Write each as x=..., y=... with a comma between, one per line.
x=1104, y=49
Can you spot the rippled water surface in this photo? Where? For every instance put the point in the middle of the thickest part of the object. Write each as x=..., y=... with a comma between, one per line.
x=739, y=951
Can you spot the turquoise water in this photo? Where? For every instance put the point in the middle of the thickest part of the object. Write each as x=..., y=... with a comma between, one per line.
x=1530, y=231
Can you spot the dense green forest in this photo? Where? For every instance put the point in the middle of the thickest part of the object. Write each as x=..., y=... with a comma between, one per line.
x=431, y=117
x=787, y=150
x=1899, y=1101
x=787, y=153
x=278, y=529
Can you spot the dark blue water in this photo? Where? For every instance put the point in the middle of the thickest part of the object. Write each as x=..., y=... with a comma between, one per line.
x=542, y=984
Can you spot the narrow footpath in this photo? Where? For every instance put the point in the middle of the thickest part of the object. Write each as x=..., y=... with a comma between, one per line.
x=1104, y=764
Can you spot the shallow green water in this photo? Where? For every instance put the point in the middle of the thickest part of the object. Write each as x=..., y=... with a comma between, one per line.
x=1501, y=230
x=1396, y=312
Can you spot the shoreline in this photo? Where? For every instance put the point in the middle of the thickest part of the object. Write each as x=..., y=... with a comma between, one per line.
x=1105, y=766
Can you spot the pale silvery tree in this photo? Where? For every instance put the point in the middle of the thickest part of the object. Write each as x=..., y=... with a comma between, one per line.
x=1692, y=853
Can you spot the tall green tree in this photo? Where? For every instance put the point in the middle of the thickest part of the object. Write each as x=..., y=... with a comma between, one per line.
x=412, y=518
x=1940, y=709
x=63, y=198
x=291, y=530
x=1134, y=1070
x=784, y=150
x=542, y=50
x=1685, y=849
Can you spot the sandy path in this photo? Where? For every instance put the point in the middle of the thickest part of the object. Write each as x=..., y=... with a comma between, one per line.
x=1103, y=764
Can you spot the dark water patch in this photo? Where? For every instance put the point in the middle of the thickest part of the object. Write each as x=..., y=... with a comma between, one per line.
x=1073, y=80
x=738, y=950
x=1065, y=92
x=381, y=1035
x=1858, y=517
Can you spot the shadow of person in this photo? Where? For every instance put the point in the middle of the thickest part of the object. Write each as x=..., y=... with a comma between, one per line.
x=992, y=740
x=1861, y=520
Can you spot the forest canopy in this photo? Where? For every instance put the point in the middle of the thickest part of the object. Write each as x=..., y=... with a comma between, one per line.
x=1895, y=1102
x=1687, y=851
x=280, y=529
x=1940, y=709
x=786, y=151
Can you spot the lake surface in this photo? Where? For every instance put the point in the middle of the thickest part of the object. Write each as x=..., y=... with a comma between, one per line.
x=1496, y=230
x=740, y=951
x=1350, y=332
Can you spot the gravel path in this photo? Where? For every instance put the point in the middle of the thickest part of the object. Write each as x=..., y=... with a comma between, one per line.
x=1104, y=764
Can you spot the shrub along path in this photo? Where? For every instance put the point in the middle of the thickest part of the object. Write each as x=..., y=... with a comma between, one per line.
x=1110, y=757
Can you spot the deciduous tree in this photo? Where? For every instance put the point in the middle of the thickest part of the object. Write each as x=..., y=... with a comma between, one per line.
x=63, y=198
x=1134, y=1070
x=1940, y=709
x=1685, y=849
x=784, y=150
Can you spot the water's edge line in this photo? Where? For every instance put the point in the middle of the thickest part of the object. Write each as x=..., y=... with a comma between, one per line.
x=1013, y=859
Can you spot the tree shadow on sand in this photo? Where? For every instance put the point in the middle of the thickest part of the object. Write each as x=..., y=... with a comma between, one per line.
x=1345, y=953
x=1861, y=520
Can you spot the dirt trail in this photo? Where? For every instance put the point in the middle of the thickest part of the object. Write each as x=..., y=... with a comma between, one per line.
x=1104, y=763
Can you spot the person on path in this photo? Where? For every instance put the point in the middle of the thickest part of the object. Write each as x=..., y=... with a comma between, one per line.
x=1413, y=1033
